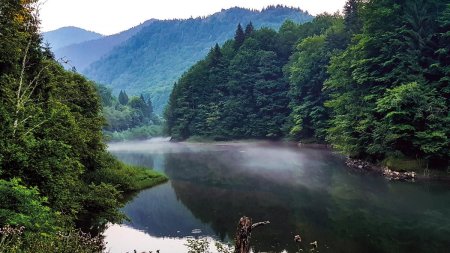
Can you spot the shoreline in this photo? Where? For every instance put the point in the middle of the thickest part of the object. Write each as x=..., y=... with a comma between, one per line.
x=356, y=165
x=363, y=166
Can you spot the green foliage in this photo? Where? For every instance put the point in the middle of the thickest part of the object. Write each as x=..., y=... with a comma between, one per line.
x=307, y=74
x=23, y=206
x=130, y=119
x=386, y=96
x=413, y=121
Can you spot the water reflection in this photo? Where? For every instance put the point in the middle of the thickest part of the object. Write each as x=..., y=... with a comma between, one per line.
x=160, y=213
x=122, y=238
x=306, y=192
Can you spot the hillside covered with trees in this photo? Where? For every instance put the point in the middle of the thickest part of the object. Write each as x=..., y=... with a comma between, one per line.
x=374, y=83
x=154, y=58
x=55, y=172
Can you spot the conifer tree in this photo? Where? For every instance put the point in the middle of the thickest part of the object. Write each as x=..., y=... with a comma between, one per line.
x=353, y=22
x=150, y=106
x=123, y=98
x=239, y=37
x=249, y=29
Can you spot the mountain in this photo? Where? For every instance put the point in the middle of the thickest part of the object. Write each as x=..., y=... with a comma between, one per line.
x=68, y=35
x=152, y=60
x=81, y=55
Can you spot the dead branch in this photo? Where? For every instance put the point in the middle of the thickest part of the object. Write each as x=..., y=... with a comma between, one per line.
x=262, y=223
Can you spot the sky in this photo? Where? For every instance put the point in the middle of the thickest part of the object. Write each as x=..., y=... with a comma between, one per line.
x=112, y=16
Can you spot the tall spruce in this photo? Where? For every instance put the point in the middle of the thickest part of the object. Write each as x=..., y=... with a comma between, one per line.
x=249, y=29
x=123, y=98
x=353, y=22
x=239, y=37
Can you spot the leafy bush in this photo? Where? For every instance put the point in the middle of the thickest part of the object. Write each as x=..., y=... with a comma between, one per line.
x=23, y=206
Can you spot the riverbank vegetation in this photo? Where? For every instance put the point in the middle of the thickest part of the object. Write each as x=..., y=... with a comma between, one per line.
x=128, y=118
x=373, y=83
x=55, y=172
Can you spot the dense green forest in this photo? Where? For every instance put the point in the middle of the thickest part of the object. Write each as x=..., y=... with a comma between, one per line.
x=155, y=57
x=373, y=82
x=55, y=172
x=128, y=118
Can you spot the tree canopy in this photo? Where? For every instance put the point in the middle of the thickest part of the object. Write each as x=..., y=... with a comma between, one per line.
x=373, y=83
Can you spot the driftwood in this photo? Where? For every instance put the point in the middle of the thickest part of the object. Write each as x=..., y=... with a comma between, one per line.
x=244, y=233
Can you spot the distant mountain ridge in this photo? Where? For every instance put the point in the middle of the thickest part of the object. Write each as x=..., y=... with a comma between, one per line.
x=81, y=55
x=69, y=35
x=148, y=59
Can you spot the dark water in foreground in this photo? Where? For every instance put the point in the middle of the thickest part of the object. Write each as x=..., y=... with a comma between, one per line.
x=300, y=191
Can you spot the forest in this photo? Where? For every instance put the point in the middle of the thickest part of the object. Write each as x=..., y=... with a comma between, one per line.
x=373, y=83
x=128, y=118
x=56, y=175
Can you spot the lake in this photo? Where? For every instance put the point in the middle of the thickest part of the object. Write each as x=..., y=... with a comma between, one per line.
x=301, y=191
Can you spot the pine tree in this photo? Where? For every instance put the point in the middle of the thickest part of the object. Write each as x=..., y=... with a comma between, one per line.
x=352, y=19
x=150, y=106
x=215, y=54
x=249, y=29
x=123, y=98
x=239, y=37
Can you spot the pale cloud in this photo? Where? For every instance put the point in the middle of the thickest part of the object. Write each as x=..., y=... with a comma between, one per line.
x=112, y=16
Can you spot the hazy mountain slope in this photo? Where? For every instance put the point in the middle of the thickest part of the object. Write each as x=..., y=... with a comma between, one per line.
x=83, y=54
x=152, y=60
x=68, y=35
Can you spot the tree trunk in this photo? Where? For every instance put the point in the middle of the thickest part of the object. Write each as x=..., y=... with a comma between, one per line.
x=244, y=233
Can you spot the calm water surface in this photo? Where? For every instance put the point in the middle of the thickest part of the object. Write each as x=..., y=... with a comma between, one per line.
x=300, y=191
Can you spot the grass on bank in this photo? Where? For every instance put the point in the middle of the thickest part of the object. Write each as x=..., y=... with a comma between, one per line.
x=128, y=178
x=403, y=164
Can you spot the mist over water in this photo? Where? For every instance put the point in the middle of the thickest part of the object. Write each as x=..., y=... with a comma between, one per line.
x=301, y=191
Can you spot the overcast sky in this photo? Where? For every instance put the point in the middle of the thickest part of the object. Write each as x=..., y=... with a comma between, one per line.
x=112, y=16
